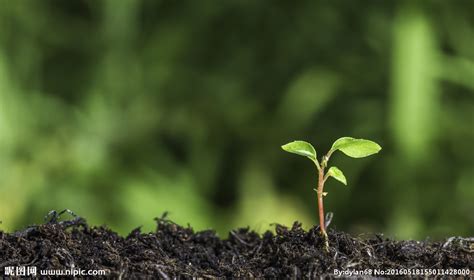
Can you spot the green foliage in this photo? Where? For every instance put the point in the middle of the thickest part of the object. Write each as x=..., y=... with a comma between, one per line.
x=301, y=148
x=356, y=148
x=337, y=174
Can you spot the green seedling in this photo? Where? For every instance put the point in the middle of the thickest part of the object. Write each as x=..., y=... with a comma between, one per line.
x=355, y=148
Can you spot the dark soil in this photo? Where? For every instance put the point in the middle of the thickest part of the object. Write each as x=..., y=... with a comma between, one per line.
x=175, y=251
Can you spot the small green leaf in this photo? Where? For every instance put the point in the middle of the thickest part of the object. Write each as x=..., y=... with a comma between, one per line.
x=301, y=148
x=337, y=174
x=356, y=148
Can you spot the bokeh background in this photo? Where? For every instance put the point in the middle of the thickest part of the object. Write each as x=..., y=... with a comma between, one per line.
x=122, y=110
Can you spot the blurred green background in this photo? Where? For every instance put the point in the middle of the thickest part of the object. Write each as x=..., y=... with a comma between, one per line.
x=121, y=110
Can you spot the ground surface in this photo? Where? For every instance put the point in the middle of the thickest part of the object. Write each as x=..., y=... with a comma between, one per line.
x=176, y=251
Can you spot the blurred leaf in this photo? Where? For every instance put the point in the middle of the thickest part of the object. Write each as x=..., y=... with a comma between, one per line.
x=147, y=198
x=458, y=70
x=415, y=99
x=257, y=190
x=308, y=94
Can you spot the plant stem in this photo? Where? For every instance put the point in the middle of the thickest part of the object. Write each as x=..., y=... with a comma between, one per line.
x=322, y=226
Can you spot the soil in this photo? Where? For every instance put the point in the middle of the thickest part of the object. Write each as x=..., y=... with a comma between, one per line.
x=176, y=251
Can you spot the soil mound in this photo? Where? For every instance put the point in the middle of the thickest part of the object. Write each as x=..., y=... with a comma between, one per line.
x=176, y=251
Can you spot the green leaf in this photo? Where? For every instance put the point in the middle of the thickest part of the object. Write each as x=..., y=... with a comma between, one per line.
x=356, y=148
x=337, y=174
x=301, y=148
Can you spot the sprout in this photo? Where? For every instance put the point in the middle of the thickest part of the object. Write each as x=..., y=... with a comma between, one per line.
x=355, y=148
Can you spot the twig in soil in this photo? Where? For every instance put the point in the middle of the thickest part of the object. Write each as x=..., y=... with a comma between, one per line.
x=238, y=238
x=352, y=264
x=446, y=244
x=461, y=240
x=257, y=249
x=31, y=262
x=54, y=216
x=162, y=274
x=295, y=272
x=327, y=220
x=24, y=232
x=65, y=255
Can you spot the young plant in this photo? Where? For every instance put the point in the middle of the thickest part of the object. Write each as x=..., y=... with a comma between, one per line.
x=356, y=148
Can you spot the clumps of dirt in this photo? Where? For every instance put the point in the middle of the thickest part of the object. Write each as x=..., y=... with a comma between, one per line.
x=175, y=251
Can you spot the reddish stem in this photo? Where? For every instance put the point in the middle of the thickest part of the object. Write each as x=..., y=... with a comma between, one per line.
x=322, y=225
x=320, y=200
